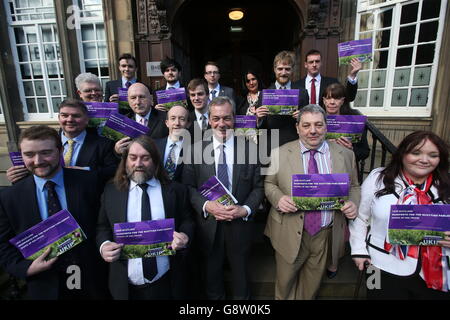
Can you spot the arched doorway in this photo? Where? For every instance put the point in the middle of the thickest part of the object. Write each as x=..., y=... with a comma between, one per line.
x=202, y=32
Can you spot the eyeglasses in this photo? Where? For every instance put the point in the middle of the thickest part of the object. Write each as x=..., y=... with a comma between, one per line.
x=91, y=90
x=212, y=72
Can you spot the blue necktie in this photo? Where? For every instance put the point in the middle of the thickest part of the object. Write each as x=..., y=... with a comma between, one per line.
x=170, y=165
x=53, y=204
x=222, y=168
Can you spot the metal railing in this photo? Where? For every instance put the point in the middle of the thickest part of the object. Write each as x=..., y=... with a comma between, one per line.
x=377, y=157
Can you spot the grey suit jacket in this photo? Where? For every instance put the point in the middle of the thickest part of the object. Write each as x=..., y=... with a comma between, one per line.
x=285, y=230
x=247, y=188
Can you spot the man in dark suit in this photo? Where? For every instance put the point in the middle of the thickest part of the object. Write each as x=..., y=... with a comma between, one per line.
x=141, y=102
x=89, y=87
x=313, y=63
x=224, y=232
x=171, y=148
x=283, y=67
x=212, y=76
x=82, y=149
x=46, y=191
x=128, y=69
x=198, y=95
x=141, y=179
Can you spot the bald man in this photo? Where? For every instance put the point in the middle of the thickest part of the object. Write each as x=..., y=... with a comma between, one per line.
x=141, y=102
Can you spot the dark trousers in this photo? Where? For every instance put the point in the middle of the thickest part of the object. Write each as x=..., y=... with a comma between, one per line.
x=159, y=290
x=411, y=287
x=237, y=257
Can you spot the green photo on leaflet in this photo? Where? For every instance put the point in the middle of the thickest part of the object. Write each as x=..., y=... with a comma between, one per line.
x=320, y=203
x=147, y=251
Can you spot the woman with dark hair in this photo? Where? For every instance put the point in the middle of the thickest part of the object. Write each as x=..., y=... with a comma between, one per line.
x=251, y=100
x=417, y=175
x=336, y=103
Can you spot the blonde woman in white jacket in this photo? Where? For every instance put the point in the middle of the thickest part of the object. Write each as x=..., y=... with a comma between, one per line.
x=417, y=174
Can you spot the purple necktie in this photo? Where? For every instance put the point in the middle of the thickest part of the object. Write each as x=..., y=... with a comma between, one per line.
x=127, y=84
x=313, y=219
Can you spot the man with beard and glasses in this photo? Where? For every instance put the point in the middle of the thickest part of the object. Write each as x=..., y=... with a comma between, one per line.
x=83, y=149
x=142, y=191
x=49, y=189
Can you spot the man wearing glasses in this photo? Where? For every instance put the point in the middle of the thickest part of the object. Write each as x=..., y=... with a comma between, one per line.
x=89, y=87
x=212, y=76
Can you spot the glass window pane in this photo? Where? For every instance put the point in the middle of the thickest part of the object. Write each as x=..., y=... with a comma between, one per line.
x=49, y=51
x=363, y=79
x=31, y=106
x=87, y=32
x=89, y=50
x=430, y=9
x=23, y=53
x=399, y=97
x=104, y=70
x=385, y=18
x=419, y=97
x=34, y=3
x=361, y=99
x=102, y=52
x=55, y=103
x=34, y=52
x=428, y=31
x=407, y=35
x=404, y=57
x=382, y=39
x=401, y=77
x=376, y=98
x=42, y=105
x=20, y=35
x=40, y=88
x=409, y=13
x=366, y=23
x=37, y=70
x=54, y=88
x=422, y=76
x=100, y=32
x=425, y=53
x=380, y=59
x=28, y=88
x=47, y=35
x=25, y=70
x=52, y=70
x=378, y=79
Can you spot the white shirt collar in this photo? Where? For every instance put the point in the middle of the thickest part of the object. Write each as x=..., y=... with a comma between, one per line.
x=287, y=85
x=309, y=78
x=152, y=183
x=176, y=85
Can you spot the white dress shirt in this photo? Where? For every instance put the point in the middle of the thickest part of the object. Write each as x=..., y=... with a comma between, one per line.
x=199, y=120
x=135, y=271
x=308, y=84
x=177, y=85
x=147, y=117
x=217, y=89
x=287, y=85
x=177, y=149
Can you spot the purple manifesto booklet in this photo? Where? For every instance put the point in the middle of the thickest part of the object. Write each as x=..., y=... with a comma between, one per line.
x=119, y=126
x=418, y=224
x=320, y=191
x=172, y=97
x=361, y=49
x=16, y=158
x=213, y=190
x=347, y=126
x=145, y=239
x=280, y=102
x=98, y=112
x=124, y=106
x=245, y=125
x=60, y=232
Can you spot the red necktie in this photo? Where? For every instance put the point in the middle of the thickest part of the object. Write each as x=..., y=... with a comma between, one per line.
x=313, y=91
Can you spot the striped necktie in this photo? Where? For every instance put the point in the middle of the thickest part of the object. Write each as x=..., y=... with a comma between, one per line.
x=313, y=219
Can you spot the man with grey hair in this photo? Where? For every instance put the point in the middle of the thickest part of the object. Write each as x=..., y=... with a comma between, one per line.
x=301, y=238
x=89, y=87
x=224, y=231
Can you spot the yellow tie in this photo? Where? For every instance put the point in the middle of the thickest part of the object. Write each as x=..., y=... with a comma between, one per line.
x=68, y=155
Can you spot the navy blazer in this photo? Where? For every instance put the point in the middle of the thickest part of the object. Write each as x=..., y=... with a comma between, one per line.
x=19, y=211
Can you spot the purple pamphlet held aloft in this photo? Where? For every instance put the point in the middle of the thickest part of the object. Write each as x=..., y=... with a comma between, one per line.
x=16, y=158
x=244, y=121
x=348, y=126
x=172, y=97
x=320, y=191
x=361, y=49
x=59, y=231
x=101, y=109
x=145, y=239
x=280, y=102
x=418, y=224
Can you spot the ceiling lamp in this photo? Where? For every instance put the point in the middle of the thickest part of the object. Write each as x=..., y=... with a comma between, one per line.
x=236, y=14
